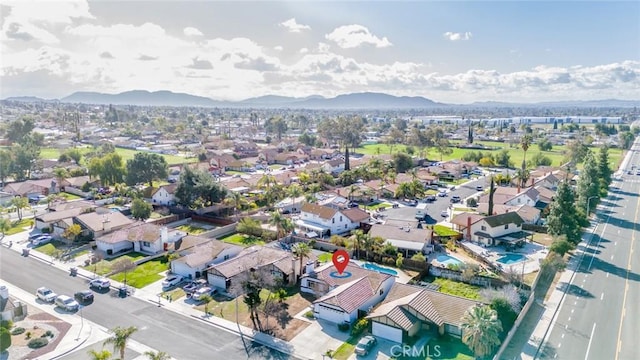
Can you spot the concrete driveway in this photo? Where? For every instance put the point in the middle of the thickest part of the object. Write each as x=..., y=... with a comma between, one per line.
x=317, y=338
x=382, y=351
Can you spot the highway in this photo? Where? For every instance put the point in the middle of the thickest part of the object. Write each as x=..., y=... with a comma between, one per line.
x=599, y=317
x=183, y=337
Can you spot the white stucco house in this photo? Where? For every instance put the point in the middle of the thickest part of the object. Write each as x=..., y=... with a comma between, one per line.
x=164, y=195
x=195, y=260
x=327, y=221
x=497, y=229
x=141, y=237
x=343, y=298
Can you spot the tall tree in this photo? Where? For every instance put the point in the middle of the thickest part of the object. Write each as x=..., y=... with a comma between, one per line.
x=470, y=134
x=140, y=209
x=281, y=223
x=525, y=143
x=492, y=190
x=604, y=170
x=6, y=165
x=481, y=330
x=237, y=200
x=588, y=185
x=20, y=203
x=5, y=225
x=145, y=168
x=443, y=147
x=119, y=338
x=301, y=251
x=109, y=168
x=19, y=130
x=562, y=219
x=197, y=189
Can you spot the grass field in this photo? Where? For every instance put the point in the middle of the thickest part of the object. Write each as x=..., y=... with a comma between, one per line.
x=127, y=154
x=18, y=226
x=191, y=229
x=442, y=230
x=556, y=155
x=242, y=240
x=144, y=274
x=104, y=266
x=325, y=257
x=458, y=288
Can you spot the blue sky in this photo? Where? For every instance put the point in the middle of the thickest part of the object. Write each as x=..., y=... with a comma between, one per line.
x=454, y=51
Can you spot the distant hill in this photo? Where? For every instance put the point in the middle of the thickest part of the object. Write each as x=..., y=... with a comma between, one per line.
x=143, y=98
x=26, y=99
x=369, y=100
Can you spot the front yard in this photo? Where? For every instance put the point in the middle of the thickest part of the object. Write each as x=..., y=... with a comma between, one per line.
x=144, y=274
x=104, y=266
x=19, y=226
x=56, y=248
x=280, y=321
x=242, y=239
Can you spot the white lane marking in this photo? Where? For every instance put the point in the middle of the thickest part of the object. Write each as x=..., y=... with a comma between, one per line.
x=615, y=243
x=566, y=326
x=562, y=337
x=559, y=345
x=590, y=338
x=607, y=274
x=618, y=232
x=572, y=310
x=569, y=319
x=611, y=257
x=601, y=296
x=575, y=302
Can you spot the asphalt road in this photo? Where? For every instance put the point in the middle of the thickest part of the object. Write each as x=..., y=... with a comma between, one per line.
x=182, y=337
x=435, y=208
x=599, y=317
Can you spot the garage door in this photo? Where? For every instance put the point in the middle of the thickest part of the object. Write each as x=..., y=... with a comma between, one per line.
x=387, y=332
x=329, y=314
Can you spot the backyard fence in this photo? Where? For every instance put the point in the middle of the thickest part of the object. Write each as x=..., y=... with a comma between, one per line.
x=220, y=232
x=479, y=280
x=536, y=228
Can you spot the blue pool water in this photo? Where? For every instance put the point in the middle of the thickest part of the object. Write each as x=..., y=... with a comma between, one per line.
x=376, y=267
x=447, y=260
x=511, y=259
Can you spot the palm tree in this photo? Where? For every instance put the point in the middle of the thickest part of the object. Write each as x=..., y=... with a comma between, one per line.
x=525, y=142
x=281, y=223
x=352, y=190
x=99, y=355
x=359, y=238
x=61, y=175
x=236, y=199
x=160, y=355
x=371, y=244
x=481, y=330
x=523, y=176
x=302, y=251
x=294, y=191
x=266, y=182
x=119, y=338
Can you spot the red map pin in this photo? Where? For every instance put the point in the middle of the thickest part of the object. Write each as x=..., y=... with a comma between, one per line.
x=340, y=260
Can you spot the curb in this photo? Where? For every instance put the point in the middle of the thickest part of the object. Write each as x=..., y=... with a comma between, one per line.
x=75, y=347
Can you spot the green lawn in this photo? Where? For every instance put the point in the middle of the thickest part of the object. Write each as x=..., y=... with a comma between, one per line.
x=175, y=294
x=378, y=206
x=242, y=239
x=47, y=249
x=18, y=226
x=556, y=154
x=127, y=154
x=104, y=266
x=442, y=230
x=347, y=348
x=443, y=348
x=325, y=257
x=458, y=288
x=191, y=229
x=144, y=274
x=69, y=196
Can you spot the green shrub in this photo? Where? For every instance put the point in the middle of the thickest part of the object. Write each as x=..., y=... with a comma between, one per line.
x=5, y=339
x=37, y=343
x=6, y=324
x=18, y=331
x=388, y=261
x=343, y=326
x=309, y=314
x=28, y=335
x=49, y=333
x=359, y=327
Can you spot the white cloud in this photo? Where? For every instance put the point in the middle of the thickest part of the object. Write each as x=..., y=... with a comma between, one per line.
x=278, y=48
x=303, y=50
x=453, y=36
x=191, y=31
x=351, y=36
x=292, y=26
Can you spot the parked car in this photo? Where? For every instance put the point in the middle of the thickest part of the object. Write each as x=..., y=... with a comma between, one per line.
x=35, y=236
x=67, y=303
x=479, y=188
x=365, y=345
x=172, y=280
x=45, y=294
x=84, y=297
x=444, y=213
x=100, y=283
x=455, y=199
x=41, y=240
x=200, y=293
x=442, y=194
x=430, y=198
x=192, y=286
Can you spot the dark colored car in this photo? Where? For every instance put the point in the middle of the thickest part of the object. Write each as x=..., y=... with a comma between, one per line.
x=430, y=198
x=84, y=297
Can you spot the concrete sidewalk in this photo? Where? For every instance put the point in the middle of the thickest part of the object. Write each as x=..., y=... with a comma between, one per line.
x=150, y=294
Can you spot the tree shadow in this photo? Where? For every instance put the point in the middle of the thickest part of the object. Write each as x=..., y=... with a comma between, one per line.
x=547, y=351
x=255, y=350
x=589, y=250
x=575, y=290
x=599, y=264
x=608, y=204
x=623, y=223
x=624, y=193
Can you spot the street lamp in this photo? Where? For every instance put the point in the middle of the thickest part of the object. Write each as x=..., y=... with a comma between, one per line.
x=588, y=203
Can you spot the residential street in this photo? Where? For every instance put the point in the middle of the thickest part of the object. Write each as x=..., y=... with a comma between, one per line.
x=598, y=318
x=181, y=336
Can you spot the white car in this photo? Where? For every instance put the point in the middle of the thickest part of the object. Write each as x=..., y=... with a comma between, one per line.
x=41, y=240
x=200, y=293
x=171, y=280
x=67, y=303
x=100, y=283
x=444, y=213
x=45, y=294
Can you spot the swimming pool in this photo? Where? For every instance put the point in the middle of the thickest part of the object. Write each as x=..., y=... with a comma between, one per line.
x=510, y=259
x=376, y=267
x=447, y=260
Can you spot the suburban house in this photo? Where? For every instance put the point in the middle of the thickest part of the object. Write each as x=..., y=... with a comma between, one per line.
x=343, y=298
x=164, y=195
x=30, y=188
x=289, y=205
x=279, y=264
x=196, y=259
x=407, y=239
x=47, y=220
x=5, y=198
x=141, y=237
x=327, y=221
x=78, y=182
x=11, y=309
x=96, y=224
x=528, y=213
x=498, y=229
x=335, y=166
x=409, y=309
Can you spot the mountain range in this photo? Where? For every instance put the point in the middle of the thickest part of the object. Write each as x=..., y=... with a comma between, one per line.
x=365, y=100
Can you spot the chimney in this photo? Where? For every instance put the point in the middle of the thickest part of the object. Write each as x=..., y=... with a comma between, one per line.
x=164, y=234
x=4, y=292
x=468, y=227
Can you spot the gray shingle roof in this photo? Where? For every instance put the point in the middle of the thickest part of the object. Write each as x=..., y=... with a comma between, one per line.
x=504, y=219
